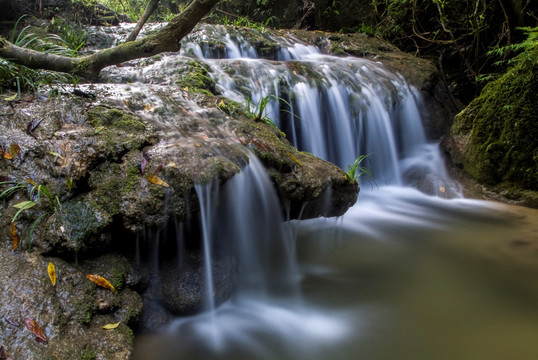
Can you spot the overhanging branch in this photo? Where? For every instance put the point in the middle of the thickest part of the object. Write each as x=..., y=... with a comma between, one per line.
x=166, y=39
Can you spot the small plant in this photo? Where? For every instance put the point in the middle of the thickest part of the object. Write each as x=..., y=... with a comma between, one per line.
x=357, y=170
x=38, y=194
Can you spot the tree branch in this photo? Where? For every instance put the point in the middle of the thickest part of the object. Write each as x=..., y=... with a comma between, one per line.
x=166, y=39
x=150, y=9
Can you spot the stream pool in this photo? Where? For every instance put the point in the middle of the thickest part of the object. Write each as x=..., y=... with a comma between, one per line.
x=401, y=275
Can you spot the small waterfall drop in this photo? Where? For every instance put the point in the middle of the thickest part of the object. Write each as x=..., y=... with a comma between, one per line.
x=334, y=107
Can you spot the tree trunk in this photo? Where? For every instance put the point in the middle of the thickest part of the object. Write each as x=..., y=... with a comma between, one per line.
x=150, y=9
x=166, y=39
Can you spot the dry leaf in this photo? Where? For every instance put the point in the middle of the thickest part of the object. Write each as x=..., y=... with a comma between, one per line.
x=442, y=189
x=31, y=182
x=51, y=269
x=294, y=158
x=14, y=236
x=157, y=180
x=15, y=150
x=35, y=329
x=171, y=164
x=101, y=281
x=32, y=125
x=4, y=355
x=111, y=326
x=7, y=155
x=12, y=321
x=144, y=163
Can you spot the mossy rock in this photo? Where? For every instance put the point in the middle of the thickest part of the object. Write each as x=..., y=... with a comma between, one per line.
x=194, y=76
x=495, y=139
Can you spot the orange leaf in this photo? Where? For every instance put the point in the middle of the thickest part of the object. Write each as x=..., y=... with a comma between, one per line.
x=15, y=237
x=35, y=329
x=31, y=182
x=101, y=281
x=157, y=180
x=7, y=155
x=51, y=269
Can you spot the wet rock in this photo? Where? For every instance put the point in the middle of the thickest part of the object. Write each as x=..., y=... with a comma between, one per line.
x=184, y=291
x=494, y=140
x=68, y=313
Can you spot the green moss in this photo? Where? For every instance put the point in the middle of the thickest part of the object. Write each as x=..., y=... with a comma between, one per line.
x=501, y=123
x=101, y=116
x=193, y=75
x=87, y=353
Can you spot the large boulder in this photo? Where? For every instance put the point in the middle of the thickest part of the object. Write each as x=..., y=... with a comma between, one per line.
x=495, y=139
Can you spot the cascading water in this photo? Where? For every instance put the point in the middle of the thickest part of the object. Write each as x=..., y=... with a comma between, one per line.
x=390, y=279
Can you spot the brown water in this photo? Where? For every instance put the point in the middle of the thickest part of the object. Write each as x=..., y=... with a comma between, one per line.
x=400, y=276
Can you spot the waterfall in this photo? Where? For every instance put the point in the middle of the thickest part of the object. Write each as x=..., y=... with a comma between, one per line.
x=395, y=277
x=334, y=107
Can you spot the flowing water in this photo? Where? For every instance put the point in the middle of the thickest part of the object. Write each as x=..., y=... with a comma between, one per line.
x=412, y=271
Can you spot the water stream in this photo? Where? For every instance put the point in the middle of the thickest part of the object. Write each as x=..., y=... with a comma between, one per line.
x=412, y=271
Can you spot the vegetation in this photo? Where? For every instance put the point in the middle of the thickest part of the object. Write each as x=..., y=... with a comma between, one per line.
x=38, y=195
x=355, y=171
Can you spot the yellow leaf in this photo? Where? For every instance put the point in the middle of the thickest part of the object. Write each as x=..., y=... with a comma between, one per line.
x=294, y=158
x=186, y=88
x=111, y=326
x=7, y=155
x=11, y=98
x=154, y=179
x=171, y=164
x=101, y=281
x=442, y=189
x=51, y=269
x=14, y=236
x=98, y=129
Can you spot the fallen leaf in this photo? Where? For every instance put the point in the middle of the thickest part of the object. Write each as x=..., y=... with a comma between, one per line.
x=25, y=205
x=14, y=236
x=143, y=163
x=4, y=355
x=442, y=189
x=7, y=155
x=294, y=158
x=99, y=129
x=101, y=281
x=31, y=182
x=171, y=164
x=15, y=150
x=111, y=326
x=32, y=125
x=154, y=179
x=12, y=321
x=11, y=98
x=51, y=269
x=33, y=326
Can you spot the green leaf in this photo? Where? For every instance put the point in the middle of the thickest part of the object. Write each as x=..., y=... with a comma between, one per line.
x=25, y=205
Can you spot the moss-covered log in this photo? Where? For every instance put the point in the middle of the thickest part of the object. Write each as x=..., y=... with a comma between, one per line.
x=166, y=39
